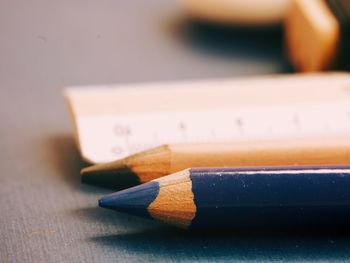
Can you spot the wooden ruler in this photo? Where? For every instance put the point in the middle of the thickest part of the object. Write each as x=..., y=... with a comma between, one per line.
x=111, y=122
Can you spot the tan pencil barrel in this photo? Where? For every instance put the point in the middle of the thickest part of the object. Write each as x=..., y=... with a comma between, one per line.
x=160, y=161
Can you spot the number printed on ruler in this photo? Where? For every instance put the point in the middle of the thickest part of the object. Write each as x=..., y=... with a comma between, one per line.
x=120, y=135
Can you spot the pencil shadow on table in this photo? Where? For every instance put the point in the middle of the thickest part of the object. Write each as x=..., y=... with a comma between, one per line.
x=162, y=242
x=112, y=219
x=64, y=155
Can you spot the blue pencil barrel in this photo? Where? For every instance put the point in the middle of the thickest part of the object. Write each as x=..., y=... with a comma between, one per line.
x=271, y=197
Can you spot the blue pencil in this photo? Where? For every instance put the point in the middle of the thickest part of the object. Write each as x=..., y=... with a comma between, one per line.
x=241, y=197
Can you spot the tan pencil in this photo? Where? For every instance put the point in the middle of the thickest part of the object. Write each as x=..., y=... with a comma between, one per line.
x=148, y=165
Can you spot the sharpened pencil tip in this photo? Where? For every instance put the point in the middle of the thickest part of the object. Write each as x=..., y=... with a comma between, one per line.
x=101, y=202
x=114, y=175
x=107, y=202
x=134, y=200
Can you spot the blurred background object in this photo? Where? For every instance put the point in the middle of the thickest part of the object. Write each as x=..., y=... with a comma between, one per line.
x=313, y=35
x=238, y=12
x=316, y=31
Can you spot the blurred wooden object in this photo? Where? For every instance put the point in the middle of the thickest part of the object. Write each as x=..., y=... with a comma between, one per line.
x=237, y=12
x=317, y=34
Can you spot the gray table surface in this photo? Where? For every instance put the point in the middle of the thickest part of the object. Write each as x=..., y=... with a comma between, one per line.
x=46, y=214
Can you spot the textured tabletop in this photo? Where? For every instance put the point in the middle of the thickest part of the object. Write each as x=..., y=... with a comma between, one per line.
x=46, y=214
